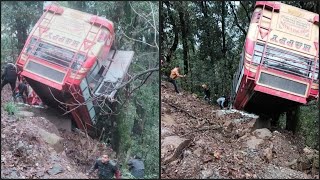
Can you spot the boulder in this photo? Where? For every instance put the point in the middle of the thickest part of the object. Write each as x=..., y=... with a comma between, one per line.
x=201, y=142
x=228, y=125
x=304, y=163
x=168, y=120
x=307, y=150
x=170, y=143
x=253, y=142
x=52, y=139
x=206, y=173
x=263, y=133
x=243, y=137
x=251, y=123
x=198, y=152
x=267, y=153
x=165, y=132
x=291, y=163
x=56, y=169
x=219, y=113
x=216, y=175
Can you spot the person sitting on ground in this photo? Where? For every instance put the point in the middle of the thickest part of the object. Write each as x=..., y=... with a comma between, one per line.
x=23, y=90
x=136, y=167
x=221, y=101
x=206, y=92
x=106, y=168
x=9, y=76
x=175, y=75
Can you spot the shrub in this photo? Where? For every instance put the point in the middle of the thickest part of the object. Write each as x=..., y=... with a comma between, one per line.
x=11, y=108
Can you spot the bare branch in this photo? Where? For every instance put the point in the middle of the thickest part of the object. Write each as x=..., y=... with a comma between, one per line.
x=139, y=41
x=247, y=13
x=148, y=21
x=137, y=76
x=154, y=27
x=236, y=19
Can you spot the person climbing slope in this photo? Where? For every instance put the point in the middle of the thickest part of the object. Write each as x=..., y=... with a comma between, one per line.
x=106, y=169
x=206, y=91
x=175, y=75
x=136, y=166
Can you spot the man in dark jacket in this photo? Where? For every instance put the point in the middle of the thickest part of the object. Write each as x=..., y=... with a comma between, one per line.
x=206, y=91
x=9, y=76
x=23, y=89
x=106, y=168
x=136, y=167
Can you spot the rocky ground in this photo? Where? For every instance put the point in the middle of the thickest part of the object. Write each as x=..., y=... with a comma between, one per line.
x=33, y=147
x=199, y=140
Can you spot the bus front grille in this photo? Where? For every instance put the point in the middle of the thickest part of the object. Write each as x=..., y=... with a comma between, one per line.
x=282, y=83
x=45, y=71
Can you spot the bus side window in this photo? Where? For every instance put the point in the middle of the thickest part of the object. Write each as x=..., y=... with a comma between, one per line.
x=93, y=72
x=101, y=70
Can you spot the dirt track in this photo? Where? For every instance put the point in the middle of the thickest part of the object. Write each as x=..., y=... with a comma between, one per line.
x=201, y=141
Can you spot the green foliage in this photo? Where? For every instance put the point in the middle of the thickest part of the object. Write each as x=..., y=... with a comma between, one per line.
x=125, y=174
x=146, y=142
x=11, y=108
x=124, y=127
x=308, y=125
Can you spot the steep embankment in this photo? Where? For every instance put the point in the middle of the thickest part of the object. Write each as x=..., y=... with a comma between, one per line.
x=33, y=147
x=202, y=141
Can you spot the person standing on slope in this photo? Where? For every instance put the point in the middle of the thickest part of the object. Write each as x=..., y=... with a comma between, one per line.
x=175, y=75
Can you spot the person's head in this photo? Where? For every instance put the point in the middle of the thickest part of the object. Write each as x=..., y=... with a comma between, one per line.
x=204, y=86
x=104, y=158
x=136, y=157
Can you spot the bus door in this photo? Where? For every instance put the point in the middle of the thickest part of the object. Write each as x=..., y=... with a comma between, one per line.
x=115, y=73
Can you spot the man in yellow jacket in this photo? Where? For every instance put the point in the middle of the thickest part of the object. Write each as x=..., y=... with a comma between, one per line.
x=175, y=75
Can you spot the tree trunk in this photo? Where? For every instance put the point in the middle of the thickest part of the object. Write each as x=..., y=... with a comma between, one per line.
x=184, y=38
x=224, y=49
x=21, y=28
x=176, y=34
x=292, y=119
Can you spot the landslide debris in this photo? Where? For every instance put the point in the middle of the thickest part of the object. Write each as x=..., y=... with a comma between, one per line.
x=225, y=144
x=33, y=147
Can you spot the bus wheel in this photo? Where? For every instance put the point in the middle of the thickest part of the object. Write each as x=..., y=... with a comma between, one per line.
x=292, y=119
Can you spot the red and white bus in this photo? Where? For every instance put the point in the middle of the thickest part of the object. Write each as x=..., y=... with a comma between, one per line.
x=67, y=58
x=279, y=65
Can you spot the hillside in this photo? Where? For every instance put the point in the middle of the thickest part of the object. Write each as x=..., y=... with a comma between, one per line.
x=33, y=147
x=199, y=140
